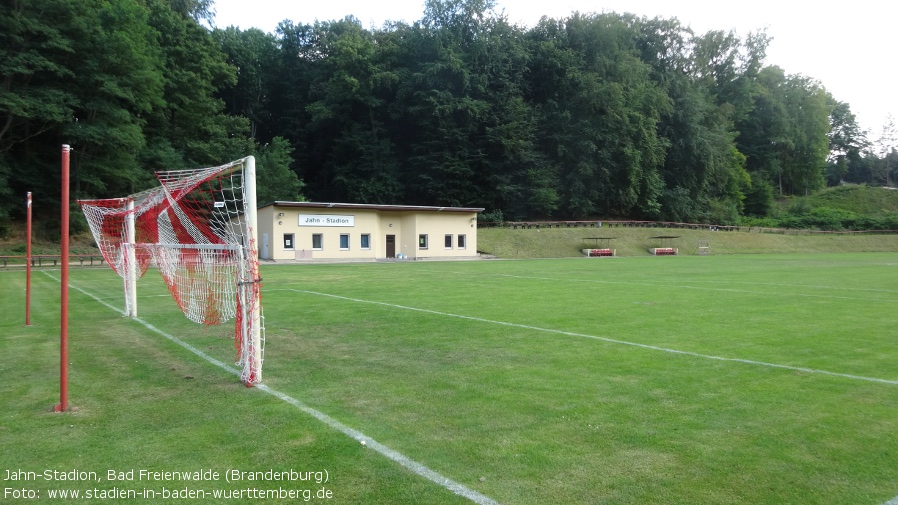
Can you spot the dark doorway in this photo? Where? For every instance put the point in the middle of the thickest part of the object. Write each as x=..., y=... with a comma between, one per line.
x=391, y=246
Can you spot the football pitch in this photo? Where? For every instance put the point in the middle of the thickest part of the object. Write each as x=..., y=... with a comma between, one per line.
x=753, y=379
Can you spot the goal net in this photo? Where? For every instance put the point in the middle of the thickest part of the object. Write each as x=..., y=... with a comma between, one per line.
x=198, y=229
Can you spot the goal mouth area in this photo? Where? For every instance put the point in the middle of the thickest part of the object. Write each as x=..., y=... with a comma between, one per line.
x=198, y=228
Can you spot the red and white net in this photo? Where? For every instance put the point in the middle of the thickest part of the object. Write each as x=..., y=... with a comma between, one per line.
x=194, y=229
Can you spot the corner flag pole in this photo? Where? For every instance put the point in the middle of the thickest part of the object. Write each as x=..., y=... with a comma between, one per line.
x=28, y=264
x=64, y=295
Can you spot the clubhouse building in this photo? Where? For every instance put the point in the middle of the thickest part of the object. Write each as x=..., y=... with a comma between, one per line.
x=298, y=231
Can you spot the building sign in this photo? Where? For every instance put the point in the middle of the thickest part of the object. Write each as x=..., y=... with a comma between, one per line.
x=326, y=220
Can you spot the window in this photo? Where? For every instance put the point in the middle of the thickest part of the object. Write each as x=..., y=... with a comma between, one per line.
x=422, y=241
x=366, y=241
x=289, y=244
x=448, y=241
x=316, y=242
x=462, y=243
x=344, y=241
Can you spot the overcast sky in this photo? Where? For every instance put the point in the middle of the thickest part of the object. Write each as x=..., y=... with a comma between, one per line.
x=849, y=46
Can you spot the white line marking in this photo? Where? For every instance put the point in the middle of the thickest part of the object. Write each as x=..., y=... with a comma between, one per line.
x=893, y=501
x=604, y=339
x=381, y=449
x=412, y=465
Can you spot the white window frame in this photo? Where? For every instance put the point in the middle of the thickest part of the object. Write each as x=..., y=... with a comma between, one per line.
x=342, y=237
x=320, y=241
x=448, y=241
x=292, y=238
x=362, y=240
x=422, y=241
x=462, y=241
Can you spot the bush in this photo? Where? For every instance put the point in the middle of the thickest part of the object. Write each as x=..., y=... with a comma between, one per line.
x=724, y=212
x=759, y=200
x=49, y=229
x=493, y=216
x=761, y=222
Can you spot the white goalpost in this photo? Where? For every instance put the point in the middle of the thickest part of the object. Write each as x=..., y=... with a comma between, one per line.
x=198, y=228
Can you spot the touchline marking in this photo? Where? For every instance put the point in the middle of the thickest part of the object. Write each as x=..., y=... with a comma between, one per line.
x=412, y=465
x=603, y=339
x=893, y=501
x=404, y=461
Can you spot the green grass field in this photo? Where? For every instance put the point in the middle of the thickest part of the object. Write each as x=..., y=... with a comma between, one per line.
x=761, y=379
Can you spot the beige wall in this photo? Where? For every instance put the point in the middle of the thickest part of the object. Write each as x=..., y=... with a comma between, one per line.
x=405, y=225
x=437, y=225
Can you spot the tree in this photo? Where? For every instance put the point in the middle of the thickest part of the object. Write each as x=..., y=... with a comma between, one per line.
x=120, y=83
x=846, y=144
x=809, y=106
x=886, y=150
x=444, y=97
x=703, y=170
x=349, y=91
x=255, y=56
x=35, y=53
x=275, y=179
x=786, y=135
x=33, y=56
x=191, y=128
x=83, y=73
x=759, y=200
x=599, y=112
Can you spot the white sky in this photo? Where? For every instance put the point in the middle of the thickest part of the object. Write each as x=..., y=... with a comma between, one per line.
x=849, y=46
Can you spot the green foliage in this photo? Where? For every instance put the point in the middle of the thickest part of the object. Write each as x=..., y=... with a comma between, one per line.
x=256, y=57
x=586, y=116
x=820, y=218
x=275, y=179
x=35, y=54
x=786, y=136
x=759, y=200
x=847, y=207
x=724, y=212
x=491, y=216
x=860, y=199
x=120, y=83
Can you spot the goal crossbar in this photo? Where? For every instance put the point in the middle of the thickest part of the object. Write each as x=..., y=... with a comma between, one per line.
x=210, y=247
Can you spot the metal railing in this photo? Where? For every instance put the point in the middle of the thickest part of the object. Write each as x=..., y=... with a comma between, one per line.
x=40, y=260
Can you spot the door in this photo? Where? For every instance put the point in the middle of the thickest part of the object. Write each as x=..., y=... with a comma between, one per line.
x=391, y=246
x=265, y=254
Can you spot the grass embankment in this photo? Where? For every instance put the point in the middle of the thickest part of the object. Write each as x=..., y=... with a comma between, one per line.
x=13, y=244
x=568, y=242
x=861, y=200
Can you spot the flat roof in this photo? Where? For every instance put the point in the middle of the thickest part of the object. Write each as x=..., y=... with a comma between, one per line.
x=370, y=206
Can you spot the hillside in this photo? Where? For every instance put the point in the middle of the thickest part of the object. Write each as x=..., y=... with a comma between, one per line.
x=861, y=200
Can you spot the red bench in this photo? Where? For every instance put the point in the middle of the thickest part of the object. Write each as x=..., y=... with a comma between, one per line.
x=598, y=253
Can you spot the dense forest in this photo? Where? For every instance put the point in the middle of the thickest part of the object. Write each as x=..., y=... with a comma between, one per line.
x=593, y=115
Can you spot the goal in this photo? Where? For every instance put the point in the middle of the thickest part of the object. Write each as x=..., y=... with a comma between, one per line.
x=198, y=228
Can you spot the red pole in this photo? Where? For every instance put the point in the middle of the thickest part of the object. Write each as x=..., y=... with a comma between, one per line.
x=28, y=264
x=64, y=295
